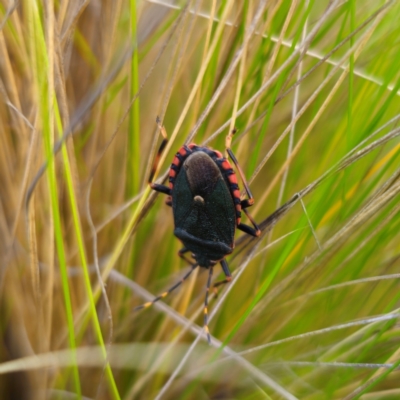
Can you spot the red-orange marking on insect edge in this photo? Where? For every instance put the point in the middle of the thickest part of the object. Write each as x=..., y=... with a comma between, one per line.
x=226, y=165
x=236, y=193
x=182, y=151
x=233, y=179
x=176, y=161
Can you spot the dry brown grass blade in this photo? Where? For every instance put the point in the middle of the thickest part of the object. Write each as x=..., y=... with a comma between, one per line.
x=167, y=41
x=84, y=107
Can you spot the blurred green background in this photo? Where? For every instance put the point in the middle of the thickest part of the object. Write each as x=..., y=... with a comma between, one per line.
x=313, y=89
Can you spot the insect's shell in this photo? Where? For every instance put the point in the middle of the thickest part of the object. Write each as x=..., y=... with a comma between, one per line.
x=205, y=202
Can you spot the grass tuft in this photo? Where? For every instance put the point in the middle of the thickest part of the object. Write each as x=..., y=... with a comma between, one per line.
x=312, y=88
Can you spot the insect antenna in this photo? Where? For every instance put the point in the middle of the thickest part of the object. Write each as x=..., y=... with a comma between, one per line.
x=160, y=150
x=206, y=306
x=167, y=292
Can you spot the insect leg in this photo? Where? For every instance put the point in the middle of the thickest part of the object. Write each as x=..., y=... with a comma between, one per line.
x=161, y=188
x=250, y=200
x=246, y=202
x=206, y=306
x=228, y=276
x=167, y=292
x=181, y=253
x=256, y=231
x=156, y=186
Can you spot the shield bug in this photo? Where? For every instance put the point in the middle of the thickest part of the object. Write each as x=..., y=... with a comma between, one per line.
x=204, y=195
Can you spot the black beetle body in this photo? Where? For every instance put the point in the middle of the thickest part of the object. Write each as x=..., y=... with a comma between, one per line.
x=205, y=198
x=202, y=203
